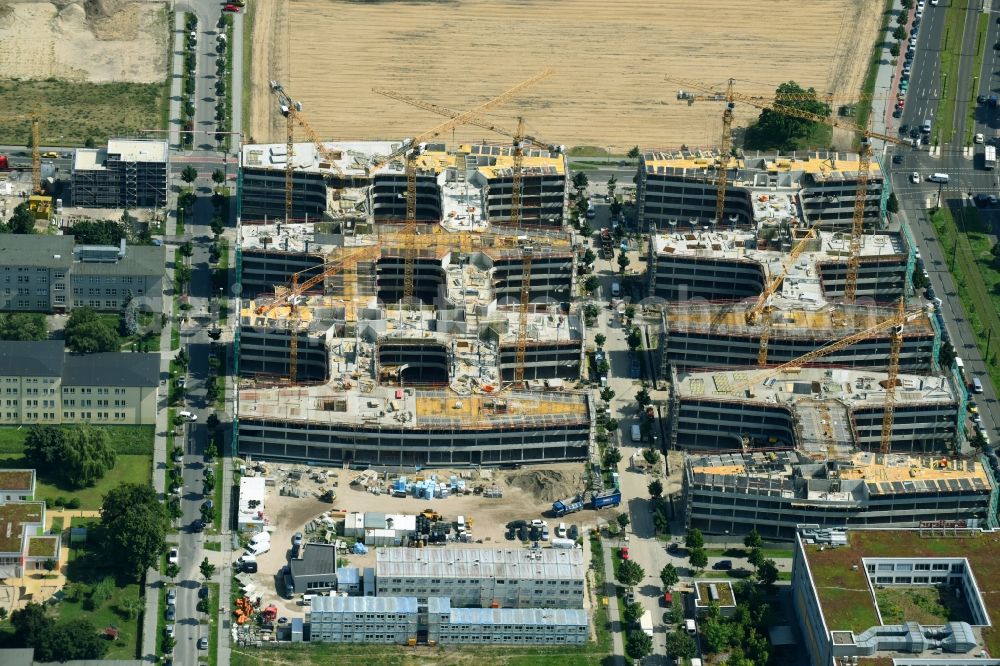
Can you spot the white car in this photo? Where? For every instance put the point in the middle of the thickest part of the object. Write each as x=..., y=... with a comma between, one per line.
x=914, y=177
x=979, y=138
x=172, y=558
x=188, y=415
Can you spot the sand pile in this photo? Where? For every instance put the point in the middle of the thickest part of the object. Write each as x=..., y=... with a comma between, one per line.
x=546, y=485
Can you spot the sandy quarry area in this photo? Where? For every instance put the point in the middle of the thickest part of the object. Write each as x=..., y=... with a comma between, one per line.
x=610, y=57
x=527, y=493
x=98, y=41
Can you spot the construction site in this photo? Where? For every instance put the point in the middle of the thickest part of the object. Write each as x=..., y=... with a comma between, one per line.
x=775, y=491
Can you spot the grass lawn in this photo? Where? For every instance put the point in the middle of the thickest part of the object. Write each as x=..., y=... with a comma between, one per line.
x=923, y=604
x=977, y=278
x=981, y=48
x=772, y=553
x=213, y=546
x=217, y=499
x=249, y=12
x=133, y=444
x=75, y=112
x=213, y=623
x=951, y=87
x=123, y=606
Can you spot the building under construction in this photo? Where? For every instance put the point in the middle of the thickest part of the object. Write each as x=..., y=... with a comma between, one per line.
x=129, y=173
x=680, y=188
x=820, y=411
x=419, y=386
x=715, y=335
x=773, y=491
x=467, y=187
x=735, y=264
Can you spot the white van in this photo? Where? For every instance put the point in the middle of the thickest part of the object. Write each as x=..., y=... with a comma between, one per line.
x=188, y=415
x=259, y=548
x=307, y=599
x=636, y=433
x=260, y=537
x=977, y=385
x=561, y=531
x=960, y=364
x=938, y=178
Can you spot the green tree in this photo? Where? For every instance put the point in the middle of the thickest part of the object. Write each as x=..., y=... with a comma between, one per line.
x=755, y=556
x=580, y=181
x=919, y=279
x=655, y=488
x=716, y=633
x=86, y=333
x=694, y=539
x=218, y=176
x=612, y=184
x=776, y=131
x=182, y=274
x=753, y=539
x=642, y=397
x=590, y=284
x=630, y=573
x=681, y=645
x=189, y=174
x=633, y=153
x=612, y=456
x=638, y=644
x=588, y=257
x=186, y=199
x=632, y=613
x=634, y=338
x=892, y=203
x=85, y=456
x=623, y=260
x=899, y=33
x=98, y=232
x=89, y=142
x=697, y=558
x=22, y=221
x=600, y=339
x=590, y=311
x=43, y=445
x=218, y=225
x=31, y=623
x=669, y=576
x=134, y=526
x=607, y=394
x=623, y=520
x=207, y=568
x=186, y=249
x=651, y=456
x=767, y=572
x=894, y=49
x=946, y=355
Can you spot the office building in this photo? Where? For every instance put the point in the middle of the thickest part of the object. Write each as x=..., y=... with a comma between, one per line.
x=129, y=173
x=43, y=385
x=848, y=588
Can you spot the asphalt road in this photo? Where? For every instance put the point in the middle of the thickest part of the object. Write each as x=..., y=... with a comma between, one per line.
x=967, y=176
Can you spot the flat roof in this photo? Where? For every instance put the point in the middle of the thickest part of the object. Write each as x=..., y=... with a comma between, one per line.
x=127, y=150
x=253, y=489
x=856, y=388
x=418, y=409
x=790, y=318
x=513, y=563
x=816, y=163
x=841, y=581
x=17, y=480
x=15, y=518
x=352, y=157
x=338, y=604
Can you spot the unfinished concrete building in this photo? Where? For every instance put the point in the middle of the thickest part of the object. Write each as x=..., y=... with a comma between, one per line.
x=129, y=173
x=679, y=187
x=773, y=491
x=468, y=186
x=817, y=410
x=728, y=265
x=426, y=385
x=717, y=335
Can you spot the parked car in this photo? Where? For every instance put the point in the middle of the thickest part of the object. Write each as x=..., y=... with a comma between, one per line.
x=723, y=565
x=203, y=592
x=297, y=539
x=897, y=159
x=172, y=558
x=203, y=643
x=624, y=553
x=170, y=614
x=172, y=596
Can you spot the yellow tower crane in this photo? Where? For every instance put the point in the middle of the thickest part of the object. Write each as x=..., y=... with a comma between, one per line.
x=894, y=324
x=410, y=151
x=293, y=294
x=864, y=162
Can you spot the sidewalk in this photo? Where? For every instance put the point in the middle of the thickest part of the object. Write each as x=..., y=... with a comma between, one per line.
x=177, y=67
x=884, y=101
x=611, y=592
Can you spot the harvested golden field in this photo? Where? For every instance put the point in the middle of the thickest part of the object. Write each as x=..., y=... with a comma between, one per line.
x=611, y=58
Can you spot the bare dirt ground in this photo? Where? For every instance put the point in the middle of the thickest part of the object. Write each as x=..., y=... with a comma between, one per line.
x=611, y=58
x=98, y=41
x=528, y=493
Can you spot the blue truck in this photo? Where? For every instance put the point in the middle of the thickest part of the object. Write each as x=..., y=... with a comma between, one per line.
x=573, y=504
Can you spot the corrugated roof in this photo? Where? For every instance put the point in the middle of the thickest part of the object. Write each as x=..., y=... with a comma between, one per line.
x=324, y=604
x=112, y=369
x=562, y=617
x=546, y=564
x=43, y=358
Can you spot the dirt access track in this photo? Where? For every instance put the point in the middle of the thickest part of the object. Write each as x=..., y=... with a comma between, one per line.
x=97, y=41
x=610, y=60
